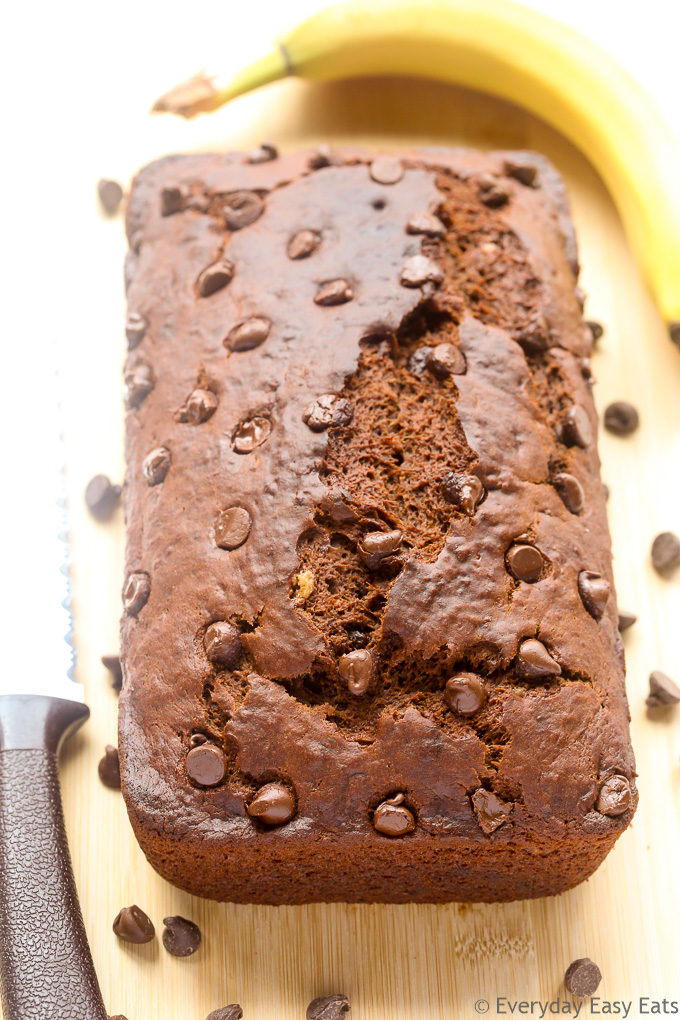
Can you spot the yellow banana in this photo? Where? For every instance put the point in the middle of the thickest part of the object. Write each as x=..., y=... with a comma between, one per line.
x=501, y=48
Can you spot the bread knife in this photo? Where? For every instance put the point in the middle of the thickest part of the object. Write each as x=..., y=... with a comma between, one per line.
x=46, y=968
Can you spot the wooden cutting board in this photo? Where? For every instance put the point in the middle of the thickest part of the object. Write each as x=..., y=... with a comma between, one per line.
x=404, y=961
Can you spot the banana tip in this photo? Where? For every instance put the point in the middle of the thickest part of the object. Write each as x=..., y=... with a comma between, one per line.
x=195, y=95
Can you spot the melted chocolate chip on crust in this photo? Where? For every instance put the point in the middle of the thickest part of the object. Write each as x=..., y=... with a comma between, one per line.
x=525, y=563
x=391, y=818
x=335, y=292
x=570, y=491
x=241, y=209
x=419, y=270
x=303, y=244
x=465, y=694
x=356, y=669
x=173, y=199
x=576, y=430
x=264, y=153
x=136, y=593
x=464, y=491
x=273, y=804
x=136, y=326
x=614, y=797
x=206, y=765
x=425, y=223
x=247, y=335
x=490, y=811
x=378, y=545
x=534, y=661
x=156, y=465
x=594, y=591
x=522, y=170
x=446, y=360
x=222, y=643
x=215, y=277
x=492, y=192
x=232, y=527
x=200, y=405
x=327, y=410
x=138, y=384
x=251, y=433
x=386, y=170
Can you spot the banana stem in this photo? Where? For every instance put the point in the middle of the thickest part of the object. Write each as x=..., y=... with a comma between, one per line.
x=203, y=93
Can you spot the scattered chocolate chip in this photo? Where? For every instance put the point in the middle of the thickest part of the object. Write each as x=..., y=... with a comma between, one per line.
x=232, y=527
x=595, y=328
x=535, y=661
x=102, y=497
x=491, y=191
x=594, y=592
x=662, y=690
x=446, y=360
x=621, y=418
x=391, y=818
x=156, y=465
x=133, y=925
x=233, y=1012
x=335, y=292
x=490, y=811
x=112, y=663
x=222, y=643
x=576, y=429
x=465, y=694
x=463, y=491
x=138, y=385
x=522, y=170
x=181, y=937
x=251, y=433
x=386, y=170
x=173, y=200
x=302, y=244
x=136, y=326
x=356, y=669
x=136, y=591
x=419, y=270
x=241, y=209
x=200, y=405
x=273, y=804
x=425, y=223
x=626, y=619
x=206, y=765
x=118, y=1016
x=328, y=409
x=524, y=562
x=215, y=277
x=570, y=491
x=264, y=153
x=582, y=978
x=378, y=545
x=666, y=551
x=248, y=334
x=109, y=768
x=327, y=1007
x=110, y=195
x=614, y=797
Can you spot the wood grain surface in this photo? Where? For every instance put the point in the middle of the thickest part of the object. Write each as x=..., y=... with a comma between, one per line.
x=393, y=962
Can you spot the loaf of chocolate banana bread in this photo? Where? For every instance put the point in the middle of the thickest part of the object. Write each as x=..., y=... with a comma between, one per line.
x=369, y=641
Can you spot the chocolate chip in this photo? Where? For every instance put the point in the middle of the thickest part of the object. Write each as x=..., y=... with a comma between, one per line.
x=199, y=203
x=582, y=978
x=112, y=663
x=248, y=334
x=181, y=937
x=251, y=433
x=102, y=497
x=533, y=336
x=621, y=418
x=273, y=804
x=666, y=551
x=215, y=277
x=570, y=491
x=206, y=765
x=156, y=465
x=491, y=191
x=626, y=619
x=446, y=360
x=324, y=156
x=222, y=643
x=197, y=739
x=200, y=405
x=136, y=591
x=391, y=818
x=419, y=270
x=386, y=170
x=136, y=326
x=524, y=562
x=465, y=694
x=587, y=370
x=425, y=223
x=328, y=409
x=378, y=545
x=138, y=385
x=356, y=669
x=173, y=200
x=576, y=430
x=595, y=328
x=109, y=768
x=464, y=491
x=110, y=195
x=264, y=153
x=594, y=592
x=118, y=1016
x=490, y=811
x=674, y=332
x=614, y=797
x=328, y=1007
x=241, y=209
x=419, y=360
x=662, y=690
x=335, y=292
x=302, y=244
x=522, y=170
x=534, y=661
x=233, y=1012
x=133, y=925
x=232, y=527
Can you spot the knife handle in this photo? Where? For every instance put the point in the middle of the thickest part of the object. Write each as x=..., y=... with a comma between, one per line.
x=46, y=969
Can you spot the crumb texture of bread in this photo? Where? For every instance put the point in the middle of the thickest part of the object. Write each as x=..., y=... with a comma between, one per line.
x=370, y=640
